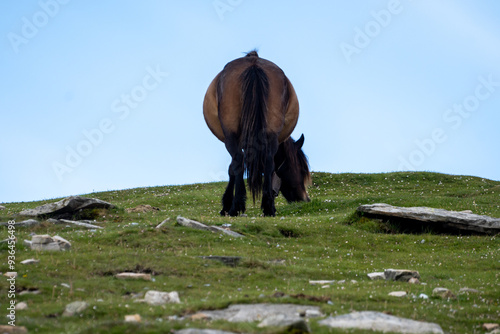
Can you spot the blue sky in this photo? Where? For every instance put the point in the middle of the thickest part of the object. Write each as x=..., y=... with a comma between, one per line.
x=108, y=95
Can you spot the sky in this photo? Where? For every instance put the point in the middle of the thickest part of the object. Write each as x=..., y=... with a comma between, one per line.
x=107, y=95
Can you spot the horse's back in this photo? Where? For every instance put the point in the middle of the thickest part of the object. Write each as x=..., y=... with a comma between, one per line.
x=223, y=101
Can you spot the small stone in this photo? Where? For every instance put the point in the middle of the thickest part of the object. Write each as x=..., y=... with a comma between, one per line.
x=126, y=275
x=8, y=329
x=163, y=223
x=467, y=290
x=402, y=275
x=133, y=318
x=414, y=280
x=21, y=306
x=376, y=276
x=490, y=326
x=29, y=292
x=2, y=207
x=321, y=282
x=29, y=261
x=66, y=285
x=443, y=293
x=75, y=308
x=10, y=274
x=423, y=296
x=398, y=294
x=200, y=316
x=153, y=297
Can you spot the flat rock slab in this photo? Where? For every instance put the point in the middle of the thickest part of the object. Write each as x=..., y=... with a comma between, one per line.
x=265, y=314
x=199, y=226
x=44, y=242
x=75, y=308
x=451, y=221
x=382, y=322
x=66, y=207
x=24, y=223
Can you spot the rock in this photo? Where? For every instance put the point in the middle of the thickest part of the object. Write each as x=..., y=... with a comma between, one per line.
x=146, y=277
x=81, y=223
x=21, y=306
x=398, y=294
x=163, y=223
x=8, y=329
x=231, y=261
x=2, y=207
x=490, y=326
x=376, y=321
x=467, y=291
x=402, y=275
x=24, y=223
x=443, y=293
x=450, y=221
x=133, y=318
x=142, y=208
x=160, y=298
x=423, y=296
x=324, y=282
x=75, y=308
x=294, y=325
x=65, y=208
x=10, y=274
x=376, y=276
x=45, y=242
x=266, y=314
x=199, y=226
x=199, y=316
x=29, y=261
x=201, y=331
x=414, y=280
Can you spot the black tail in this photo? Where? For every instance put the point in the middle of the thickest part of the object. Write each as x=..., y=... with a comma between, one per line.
x=254, y=140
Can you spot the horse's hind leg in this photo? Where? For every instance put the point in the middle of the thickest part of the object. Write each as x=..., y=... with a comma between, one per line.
x=233, y=205
x=267, y=189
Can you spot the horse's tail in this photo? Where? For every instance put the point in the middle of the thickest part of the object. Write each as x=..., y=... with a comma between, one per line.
x=255, y=90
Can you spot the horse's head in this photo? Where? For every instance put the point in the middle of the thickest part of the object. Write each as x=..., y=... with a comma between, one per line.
x=292, y=168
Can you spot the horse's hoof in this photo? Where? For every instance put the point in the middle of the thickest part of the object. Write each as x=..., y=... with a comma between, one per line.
x=223, y=213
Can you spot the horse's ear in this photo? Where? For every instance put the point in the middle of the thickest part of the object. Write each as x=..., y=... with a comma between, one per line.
x=299, y=142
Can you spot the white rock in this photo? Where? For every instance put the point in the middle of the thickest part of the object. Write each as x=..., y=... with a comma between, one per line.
x=321, y=282
x=443, y=293
x=21, y=306
x=10, y=274
x=376, y=276
x=133, y=318
x=153, y=297
x=398, y=294
x=2, y=207
x=29, y=261
x=376, y=321
x=146, y=277
x=75, y=308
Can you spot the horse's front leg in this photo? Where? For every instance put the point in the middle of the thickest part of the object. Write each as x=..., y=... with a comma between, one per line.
x=268, y=195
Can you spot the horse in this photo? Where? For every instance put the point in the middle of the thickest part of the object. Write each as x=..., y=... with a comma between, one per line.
x=251, y=106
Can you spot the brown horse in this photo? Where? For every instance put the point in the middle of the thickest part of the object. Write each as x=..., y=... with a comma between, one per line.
x=252, y=107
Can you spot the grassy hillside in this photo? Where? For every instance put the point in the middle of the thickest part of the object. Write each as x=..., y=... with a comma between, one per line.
x=320, y=240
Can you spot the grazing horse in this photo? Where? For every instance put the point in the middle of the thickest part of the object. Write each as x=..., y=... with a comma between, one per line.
x=252, y=107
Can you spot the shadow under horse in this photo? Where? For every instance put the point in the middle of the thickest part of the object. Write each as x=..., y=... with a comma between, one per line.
x=252, y=107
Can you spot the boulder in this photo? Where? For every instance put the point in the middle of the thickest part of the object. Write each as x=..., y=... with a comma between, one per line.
x=376, y=321
x=2, y=207
x=65, y=208
x=448, y=221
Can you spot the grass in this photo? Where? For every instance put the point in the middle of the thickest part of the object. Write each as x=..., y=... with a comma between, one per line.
x=320, y=240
